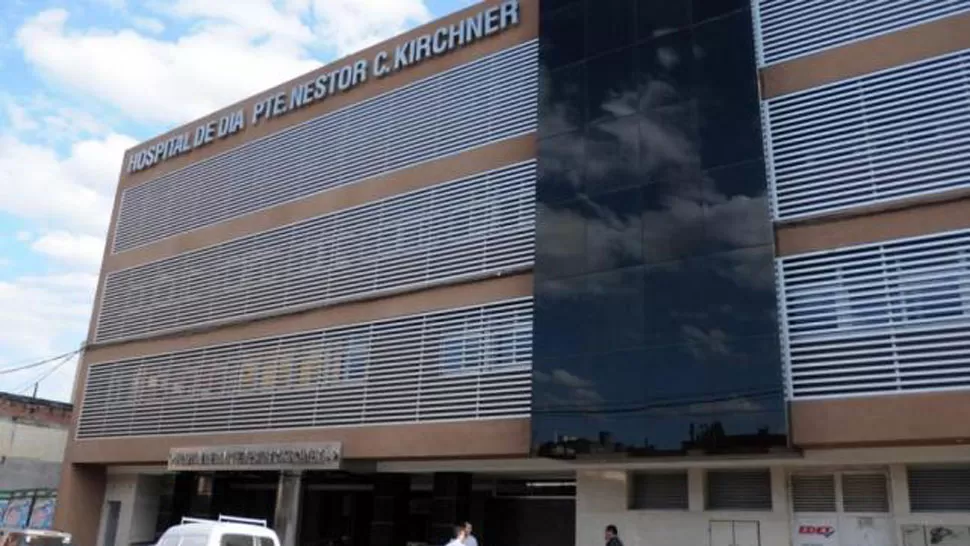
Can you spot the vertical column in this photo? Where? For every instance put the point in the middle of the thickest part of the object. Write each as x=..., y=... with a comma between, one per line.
x=144, y=513
x=450, y=504
x=392, y=495
x=899, y=490
x=286, y=521
x=696, y=490
x=79, y=500
x=779, y=491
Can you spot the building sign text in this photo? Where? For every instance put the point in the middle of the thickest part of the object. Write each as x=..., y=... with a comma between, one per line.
x=324, y=456
x=441, y=41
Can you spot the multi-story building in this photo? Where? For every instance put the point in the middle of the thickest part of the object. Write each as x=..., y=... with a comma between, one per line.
x=696, y=268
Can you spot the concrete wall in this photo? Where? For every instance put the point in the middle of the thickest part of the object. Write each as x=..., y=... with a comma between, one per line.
x=601, y=499
x=29, y=440
x=139, y=497
x=30, y=454
x=17, y=473
x=903, y=516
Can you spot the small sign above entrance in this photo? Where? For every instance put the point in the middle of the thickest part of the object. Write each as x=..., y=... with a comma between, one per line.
x=321, y=456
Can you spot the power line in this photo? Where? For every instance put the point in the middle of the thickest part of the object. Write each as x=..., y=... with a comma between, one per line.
x=657, y=404
x=35, y=382
x=39, y=363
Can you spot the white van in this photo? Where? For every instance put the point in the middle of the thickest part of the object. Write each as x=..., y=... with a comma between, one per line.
x=226, y=531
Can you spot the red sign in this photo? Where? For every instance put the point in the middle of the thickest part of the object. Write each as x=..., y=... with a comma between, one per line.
x=821, y=530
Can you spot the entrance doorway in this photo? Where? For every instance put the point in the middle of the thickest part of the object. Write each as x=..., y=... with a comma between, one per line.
x=347, y=509
x=336, y=515
x=531, y=522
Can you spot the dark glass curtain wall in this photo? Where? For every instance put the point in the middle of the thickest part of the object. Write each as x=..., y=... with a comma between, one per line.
x=656, y=329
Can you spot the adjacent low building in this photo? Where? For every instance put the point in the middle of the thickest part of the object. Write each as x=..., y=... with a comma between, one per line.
x=696, y=268
x=33, y=434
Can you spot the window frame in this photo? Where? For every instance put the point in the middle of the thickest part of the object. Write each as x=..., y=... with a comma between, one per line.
x=633, y=496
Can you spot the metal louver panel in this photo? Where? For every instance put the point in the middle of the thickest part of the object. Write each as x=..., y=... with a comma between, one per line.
x=813, y=493
x=487, y=100
x=887, y=136
x=473, y=227
x=470, y=363
x=865, y=493
x=659, y=491
x=791, y=29
x=739, y=490
x=885, y=317
x=939, y=488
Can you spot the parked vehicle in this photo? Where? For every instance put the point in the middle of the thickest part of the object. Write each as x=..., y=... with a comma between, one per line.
x=225, y=531
x=33, y=537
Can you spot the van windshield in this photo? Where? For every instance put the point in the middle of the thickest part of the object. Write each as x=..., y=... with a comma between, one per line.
x=183, y=540
x=23, y=540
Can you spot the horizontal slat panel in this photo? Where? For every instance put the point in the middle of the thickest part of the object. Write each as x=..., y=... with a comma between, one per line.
x=791, y=29
x=886, y=317
x=939, y=488
x=865, y=493
x=480, y=225
x=739, y=490
x=659, y=491
x=470, y=363
x=888, y=136
x=484, y=101
x=813, y=493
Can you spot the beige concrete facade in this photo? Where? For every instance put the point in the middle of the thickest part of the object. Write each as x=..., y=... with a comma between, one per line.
x=83, y=485
x=892, y=419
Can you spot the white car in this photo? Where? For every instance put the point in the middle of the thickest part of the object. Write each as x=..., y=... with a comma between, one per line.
x=226, y=531
x=33, y=537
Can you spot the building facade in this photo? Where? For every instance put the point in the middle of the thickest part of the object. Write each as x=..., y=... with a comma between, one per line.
x=33, y=435
x=696, y=268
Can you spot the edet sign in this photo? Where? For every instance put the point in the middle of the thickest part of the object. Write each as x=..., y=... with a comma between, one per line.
x=815, y=531
x=485, y=23
x=821, y=530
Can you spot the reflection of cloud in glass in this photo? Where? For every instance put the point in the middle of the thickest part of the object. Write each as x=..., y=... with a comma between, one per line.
x=706, y=343
x=579, y=394
x=567, y=379
x=691, y=208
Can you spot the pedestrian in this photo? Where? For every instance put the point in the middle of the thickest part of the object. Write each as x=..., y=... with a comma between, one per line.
x=470, y=539
x=613, y=536
x=460, y=536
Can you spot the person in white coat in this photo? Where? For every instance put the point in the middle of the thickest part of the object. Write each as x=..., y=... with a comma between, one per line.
x=470, y=539
x=460, y=536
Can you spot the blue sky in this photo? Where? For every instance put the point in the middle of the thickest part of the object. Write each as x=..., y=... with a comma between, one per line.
x=83, y=80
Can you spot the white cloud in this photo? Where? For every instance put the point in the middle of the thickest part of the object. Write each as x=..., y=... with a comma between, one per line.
x=113, y=4
x=45, y=119
x=148, y=24
x=67, y=195
x=153, y=80
x=255, y=18
x=76, y=191
x=351, y=25
x=232, y=50
x=40, y=316
x=73, y=249
x=19, y=119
